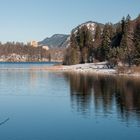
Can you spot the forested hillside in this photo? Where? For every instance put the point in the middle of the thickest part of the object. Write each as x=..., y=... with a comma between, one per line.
x=115, y=43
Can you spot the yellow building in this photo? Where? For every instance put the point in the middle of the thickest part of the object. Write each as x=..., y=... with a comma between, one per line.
x=34, y=43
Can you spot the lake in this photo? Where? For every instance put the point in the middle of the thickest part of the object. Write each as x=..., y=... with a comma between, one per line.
x=41, y=105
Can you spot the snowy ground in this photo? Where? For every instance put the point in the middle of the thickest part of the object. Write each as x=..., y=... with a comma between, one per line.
x=99, y=68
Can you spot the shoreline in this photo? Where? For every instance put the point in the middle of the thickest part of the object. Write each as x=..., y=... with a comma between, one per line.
x=109, y=72
x=88, y=68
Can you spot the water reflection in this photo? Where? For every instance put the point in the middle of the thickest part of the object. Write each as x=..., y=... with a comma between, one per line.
x=105, y=95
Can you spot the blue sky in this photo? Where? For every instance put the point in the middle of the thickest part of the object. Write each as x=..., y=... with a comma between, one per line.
x=25, y=20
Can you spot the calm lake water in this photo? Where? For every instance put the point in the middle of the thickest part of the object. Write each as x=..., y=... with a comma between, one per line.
x=41, y=105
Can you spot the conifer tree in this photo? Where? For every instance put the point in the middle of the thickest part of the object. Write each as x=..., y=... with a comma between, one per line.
x=85, y=42
x=74, y=50
x=106, y=40
x=97, y=33
x=97, y=43
x=127, y=40
x=114, y=43
x=137, y=42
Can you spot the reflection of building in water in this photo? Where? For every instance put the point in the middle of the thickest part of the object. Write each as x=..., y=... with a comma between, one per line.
x=33, y=79
x=105, y=94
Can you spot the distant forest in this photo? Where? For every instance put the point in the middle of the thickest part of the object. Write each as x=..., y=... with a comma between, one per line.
x=119, y=43
x=17, y=52
x=33, y=53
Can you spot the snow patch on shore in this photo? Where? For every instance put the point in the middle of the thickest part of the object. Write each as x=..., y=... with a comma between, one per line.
x=99, y=68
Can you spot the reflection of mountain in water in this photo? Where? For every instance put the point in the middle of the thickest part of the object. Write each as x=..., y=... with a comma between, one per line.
x=105, y=95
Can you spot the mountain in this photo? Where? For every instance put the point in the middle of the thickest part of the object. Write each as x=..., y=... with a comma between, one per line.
x=91, y=25
x=56, y=41
x=62, y=40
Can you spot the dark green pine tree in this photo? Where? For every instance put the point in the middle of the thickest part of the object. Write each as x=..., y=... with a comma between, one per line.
x=85, y=42
x=127, y=40
x=130, y=43
x=137, y=42
x=106, y=40
x=89, y=45
x=117, y=36
x=80, y=42
x=123, y=25
x=80, y=38
x=74, y=50
x=123, y=43
x=97, y=34
x=97, y=43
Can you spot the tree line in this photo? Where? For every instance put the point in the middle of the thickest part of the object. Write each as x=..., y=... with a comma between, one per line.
x=115, y=43
x=33, y=53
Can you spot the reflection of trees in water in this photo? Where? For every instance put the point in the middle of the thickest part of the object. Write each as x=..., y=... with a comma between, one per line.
x=80, y=92
x=103, y=95
x=128, y=98
x=106, y=94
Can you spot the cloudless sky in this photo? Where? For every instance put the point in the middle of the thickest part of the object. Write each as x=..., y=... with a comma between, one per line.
x=25, y=20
